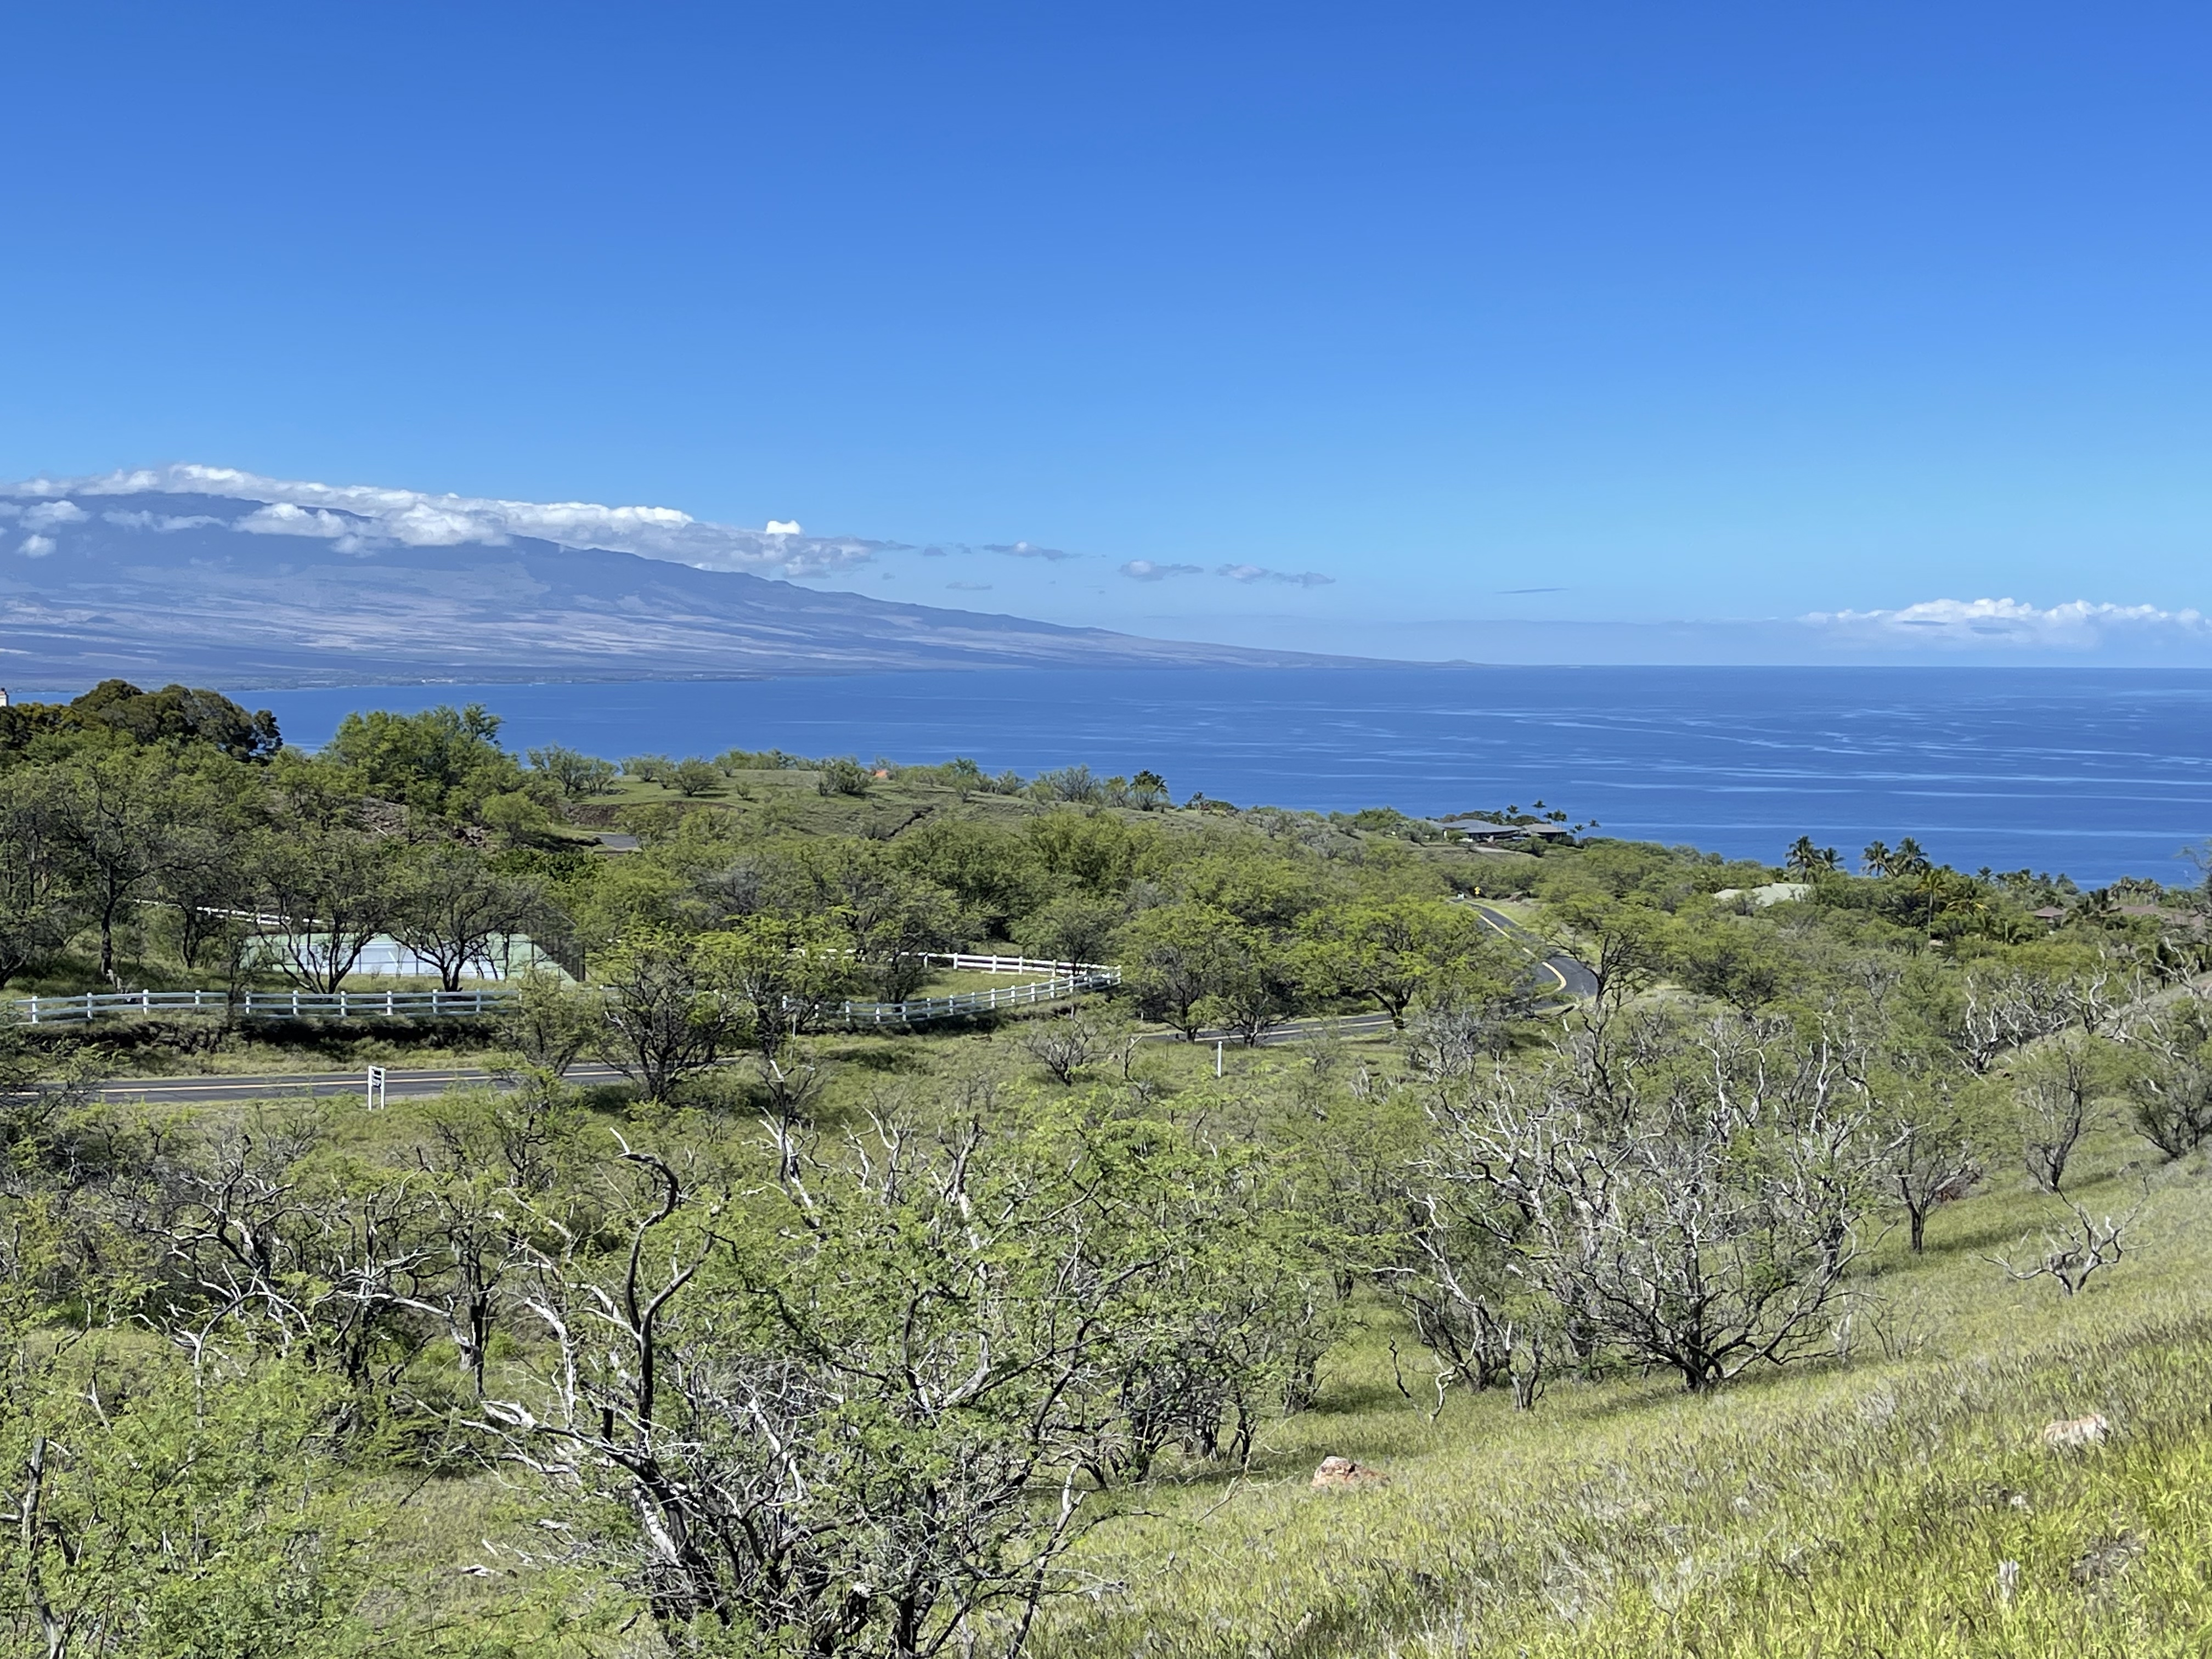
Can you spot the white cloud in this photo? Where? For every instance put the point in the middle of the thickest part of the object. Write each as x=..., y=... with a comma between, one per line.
x=46, y=514
x=410, y=518
x=164, y=522
x=1998, y=624
x=1255, y=573
x=36, y=547
x=283, y=519
x=1145, y=570
x=1028, y=550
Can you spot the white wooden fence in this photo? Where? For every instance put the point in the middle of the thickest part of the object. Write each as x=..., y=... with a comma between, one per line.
x=269, y=1004
x=1064, y=979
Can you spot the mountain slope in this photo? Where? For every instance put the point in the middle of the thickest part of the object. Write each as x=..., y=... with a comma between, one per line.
x=153, y=585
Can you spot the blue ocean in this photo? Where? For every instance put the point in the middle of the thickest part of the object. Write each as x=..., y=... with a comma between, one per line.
x=2097, y=772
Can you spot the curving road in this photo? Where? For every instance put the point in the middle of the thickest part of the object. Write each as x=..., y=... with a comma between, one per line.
x=1575, y=979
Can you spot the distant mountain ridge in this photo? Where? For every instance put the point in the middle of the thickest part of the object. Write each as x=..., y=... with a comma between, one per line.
x=151, y=584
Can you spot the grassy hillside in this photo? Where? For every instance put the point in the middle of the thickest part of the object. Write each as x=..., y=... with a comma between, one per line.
x=1865, y=1506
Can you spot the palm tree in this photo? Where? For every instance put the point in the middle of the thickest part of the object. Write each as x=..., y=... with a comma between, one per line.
x=1908, y=859
x=1804, y=857
x=1807, y=860
x=1876, y=860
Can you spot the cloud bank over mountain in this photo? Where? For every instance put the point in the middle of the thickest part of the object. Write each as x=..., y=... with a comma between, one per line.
x=221, y=577
x=355, y=518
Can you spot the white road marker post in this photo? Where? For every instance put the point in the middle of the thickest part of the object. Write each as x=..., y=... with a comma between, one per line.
x=376, y=1088
x=1217, y=1056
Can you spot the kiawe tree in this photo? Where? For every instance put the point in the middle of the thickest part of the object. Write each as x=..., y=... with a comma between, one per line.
x=454, y=911
x=1397, y=950
x=123, y=819
x=39, y=898
x=333, y=889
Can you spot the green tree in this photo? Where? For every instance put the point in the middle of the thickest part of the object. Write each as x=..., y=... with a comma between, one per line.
x=1807, y=862
x=1396, y=949
x=124, y=820
x=455, y=912
x=444, y=761
x=694, y=777
x=575, y=773
x=1073, y=927
x=843, y=776
x=158, y=1512
x=40, y=901
x=1174, y=957
x=1625, y=943
x=549, y=1021
x=333, y=890
x=894, y=917
x=783, y=972
x=1732, y=959
x=175, y=716
x=662, y=1019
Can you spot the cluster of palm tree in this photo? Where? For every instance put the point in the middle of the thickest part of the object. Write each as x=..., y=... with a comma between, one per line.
x=1906, y=860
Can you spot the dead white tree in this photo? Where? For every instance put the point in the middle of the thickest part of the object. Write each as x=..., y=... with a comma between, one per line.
x=2057, y=1091
x=2074, y=1249
x=2005, y=1012
x=856, y=1426
x=1697, y=1206
x=2169, y=1080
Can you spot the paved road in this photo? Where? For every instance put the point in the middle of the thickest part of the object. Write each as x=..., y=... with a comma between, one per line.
x=432, y=1080
x=1574, y=980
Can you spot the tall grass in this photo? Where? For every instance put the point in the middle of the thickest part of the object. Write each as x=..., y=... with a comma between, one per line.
x=1867, y=1507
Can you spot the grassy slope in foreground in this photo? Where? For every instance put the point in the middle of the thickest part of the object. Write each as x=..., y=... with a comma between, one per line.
x=1864, y=1510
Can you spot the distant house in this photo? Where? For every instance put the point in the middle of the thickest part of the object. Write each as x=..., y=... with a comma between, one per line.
x=2050, y=913
x=1495, y=834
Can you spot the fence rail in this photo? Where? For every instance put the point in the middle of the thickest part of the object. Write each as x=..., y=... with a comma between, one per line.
x=922, y=1011
x=269, y=1004
x=962, y=962
x=1065, y=979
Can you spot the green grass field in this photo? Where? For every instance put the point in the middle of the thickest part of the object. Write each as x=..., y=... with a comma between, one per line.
x=1862, y=1506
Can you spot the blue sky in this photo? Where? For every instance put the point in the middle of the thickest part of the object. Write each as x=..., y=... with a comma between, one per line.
x=1577, y=332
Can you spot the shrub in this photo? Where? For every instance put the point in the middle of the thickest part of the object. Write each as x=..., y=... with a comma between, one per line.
x=843, y=776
